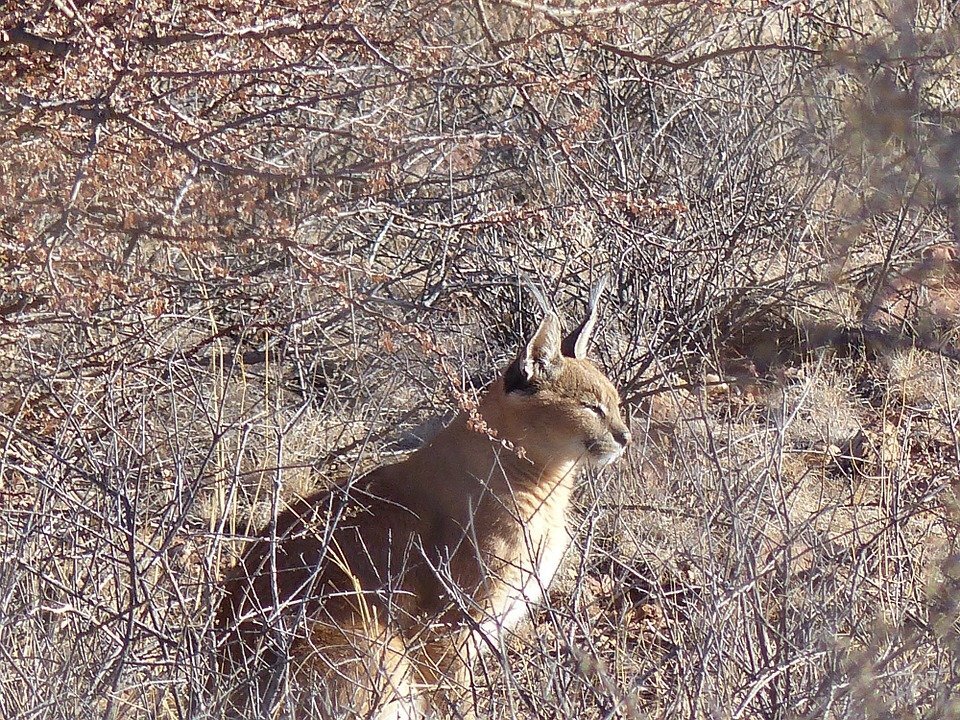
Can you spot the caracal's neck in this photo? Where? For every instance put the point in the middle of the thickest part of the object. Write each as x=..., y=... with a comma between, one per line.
x=462, y=450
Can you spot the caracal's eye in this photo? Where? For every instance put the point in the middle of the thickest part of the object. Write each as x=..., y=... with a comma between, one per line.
x=599, y=410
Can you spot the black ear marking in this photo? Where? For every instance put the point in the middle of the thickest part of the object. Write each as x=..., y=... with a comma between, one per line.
x=515, y=381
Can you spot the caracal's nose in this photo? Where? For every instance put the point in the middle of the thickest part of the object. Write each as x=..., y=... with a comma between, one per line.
x=623, y=437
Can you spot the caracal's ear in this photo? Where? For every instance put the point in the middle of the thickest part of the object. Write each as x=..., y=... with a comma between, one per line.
x=575, y=344
x=539, y=359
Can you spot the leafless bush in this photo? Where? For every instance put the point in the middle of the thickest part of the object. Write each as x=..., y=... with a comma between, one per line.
x=249, y=250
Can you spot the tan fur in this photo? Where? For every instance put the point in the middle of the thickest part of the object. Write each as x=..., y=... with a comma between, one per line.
x=373, y=599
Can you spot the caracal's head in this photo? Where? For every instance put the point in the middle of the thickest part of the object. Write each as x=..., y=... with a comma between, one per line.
x=557, y=404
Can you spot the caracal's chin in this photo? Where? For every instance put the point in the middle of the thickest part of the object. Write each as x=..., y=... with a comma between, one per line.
x=599, y=459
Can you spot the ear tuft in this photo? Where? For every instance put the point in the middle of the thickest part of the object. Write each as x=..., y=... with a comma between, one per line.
x=539, y=360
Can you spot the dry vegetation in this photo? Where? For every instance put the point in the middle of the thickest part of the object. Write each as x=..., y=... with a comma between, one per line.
x=248, y=248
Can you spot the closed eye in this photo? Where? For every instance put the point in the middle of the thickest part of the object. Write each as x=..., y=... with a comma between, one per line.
x=599, y=410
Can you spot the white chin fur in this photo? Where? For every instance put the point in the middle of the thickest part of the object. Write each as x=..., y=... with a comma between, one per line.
x=601, y=461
